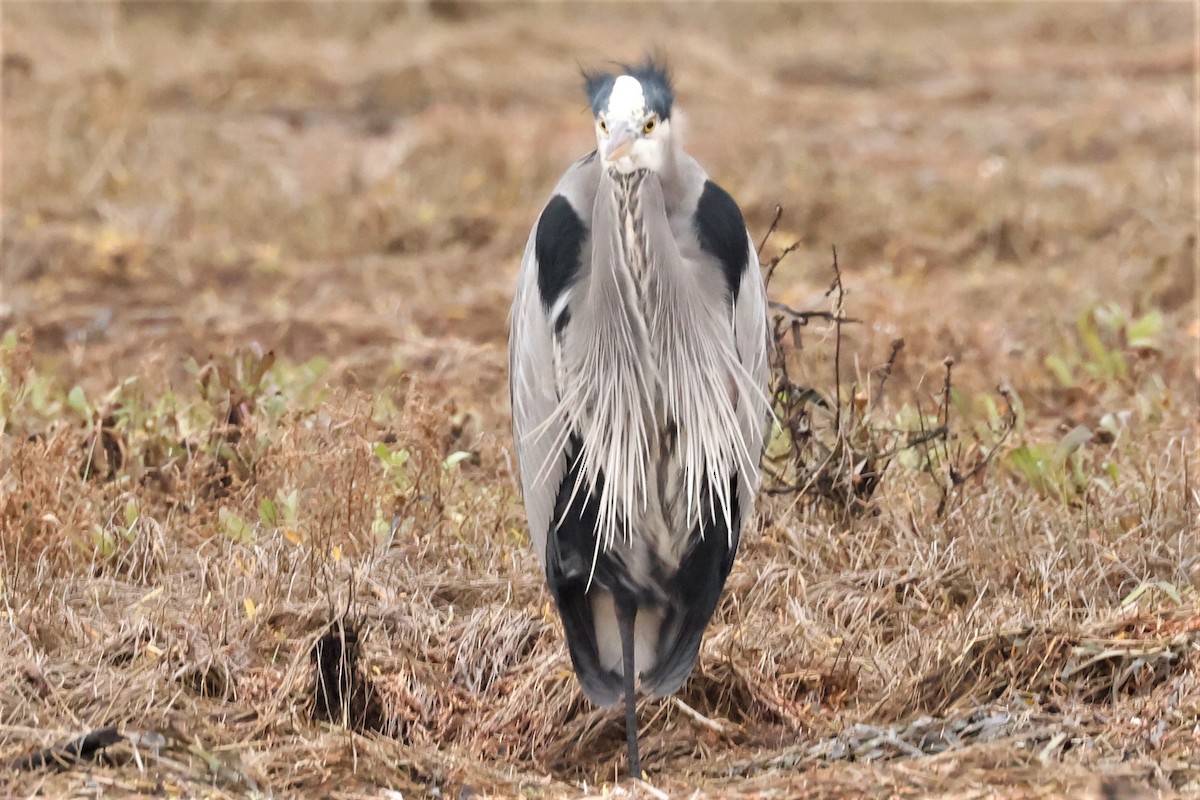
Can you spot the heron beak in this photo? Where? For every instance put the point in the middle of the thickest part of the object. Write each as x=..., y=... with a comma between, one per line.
x=620, y=142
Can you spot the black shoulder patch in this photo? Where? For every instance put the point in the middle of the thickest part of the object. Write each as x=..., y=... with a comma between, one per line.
x=559, y=240
x=722, y=233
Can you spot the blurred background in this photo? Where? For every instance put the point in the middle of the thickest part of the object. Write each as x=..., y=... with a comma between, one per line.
x=255, y=273
x=355, y=181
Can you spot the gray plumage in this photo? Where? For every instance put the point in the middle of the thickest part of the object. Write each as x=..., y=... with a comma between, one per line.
x=638, y=368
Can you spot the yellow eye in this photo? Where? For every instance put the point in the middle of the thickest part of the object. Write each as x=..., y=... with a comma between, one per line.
x=650, y=125
x=603, y=126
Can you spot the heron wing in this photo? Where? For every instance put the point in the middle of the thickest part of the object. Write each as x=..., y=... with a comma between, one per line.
x=557, y=260
x=554, y=258
x=752, y=335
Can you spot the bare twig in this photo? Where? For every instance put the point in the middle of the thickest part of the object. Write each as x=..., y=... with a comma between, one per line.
x=886, y=372
x=944, y=413
x=697, y=717
x=839, y=308
x=770, y=229
x=956, y=474
x=769, y=267
x=915, y=440
x=845, y=463
x=803, y=317
x=774, y=262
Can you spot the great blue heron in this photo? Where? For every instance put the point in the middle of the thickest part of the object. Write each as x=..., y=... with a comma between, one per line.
x=638, y=368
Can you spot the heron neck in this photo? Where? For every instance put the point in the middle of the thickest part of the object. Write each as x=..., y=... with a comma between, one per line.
x=669, y=178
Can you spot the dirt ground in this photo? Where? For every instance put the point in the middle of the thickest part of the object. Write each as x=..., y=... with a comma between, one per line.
x=257, y=264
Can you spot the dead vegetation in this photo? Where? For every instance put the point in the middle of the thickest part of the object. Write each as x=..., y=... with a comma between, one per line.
x=836, y=449
x=258, y=528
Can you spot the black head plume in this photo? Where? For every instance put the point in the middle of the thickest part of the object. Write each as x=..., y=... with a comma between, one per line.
x=652, y=73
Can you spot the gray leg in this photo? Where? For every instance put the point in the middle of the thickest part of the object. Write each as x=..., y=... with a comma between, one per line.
x=626, y=612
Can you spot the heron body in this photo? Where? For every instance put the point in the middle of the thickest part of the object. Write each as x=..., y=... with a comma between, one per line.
x=638, y=366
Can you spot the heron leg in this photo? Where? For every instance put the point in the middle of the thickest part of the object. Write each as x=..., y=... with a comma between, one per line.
x=626, y=608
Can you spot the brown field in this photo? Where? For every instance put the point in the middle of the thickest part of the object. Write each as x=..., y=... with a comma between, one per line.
x=257, y=261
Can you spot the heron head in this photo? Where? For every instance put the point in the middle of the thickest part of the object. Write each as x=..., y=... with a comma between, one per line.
x=632, y=111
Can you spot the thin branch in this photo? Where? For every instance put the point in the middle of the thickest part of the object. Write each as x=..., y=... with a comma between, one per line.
x=1010, y=424
x=770, y=230
x=844, y=463
x=911, y=442
x=774, y=262
x=699, y=718
x=959, y=478
x=803, y=317
x=886, y=372
x=782, y=254
x=944, y=415
x=839, y=312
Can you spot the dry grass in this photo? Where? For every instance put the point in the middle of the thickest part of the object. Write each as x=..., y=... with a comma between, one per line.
x=257, y=260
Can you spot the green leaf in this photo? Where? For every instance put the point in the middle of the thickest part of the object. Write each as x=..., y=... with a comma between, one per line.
x=1170, y=590
x=1099, y=355
x=1142, y=333
x=267, y=512
x=77, y=402
x=131, y=512
x=1062, y=373
x=1135, y=595
x=380, y=527
x=103, y=541
x=235, y=527
x=455, y=458
x=391, y=460
x=291, y=504
x=1118, y=364
x=1039, y=465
